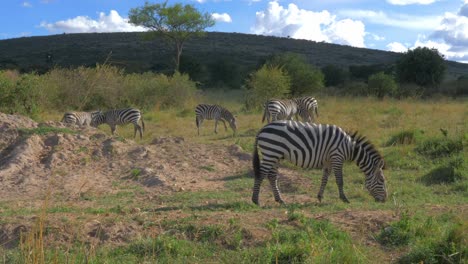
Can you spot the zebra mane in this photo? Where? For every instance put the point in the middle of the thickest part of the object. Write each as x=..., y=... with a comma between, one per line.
x=364, y=142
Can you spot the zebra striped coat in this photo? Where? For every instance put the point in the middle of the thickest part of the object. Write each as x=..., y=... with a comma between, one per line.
x=276, y=109
x=120, y=117
x=310, y=145
x=216, y=112
x=78, y=118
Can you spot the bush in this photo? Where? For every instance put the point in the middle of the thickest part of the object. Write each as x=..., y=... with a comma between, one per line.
x=381, y=84
x=397, y=234
x=439, y=147
x=268, y=82
x=453, y=170
x=406, y=137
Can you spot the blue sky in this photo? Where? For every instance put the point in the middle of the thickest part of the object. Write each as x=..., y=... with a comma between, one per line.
x=396, y=25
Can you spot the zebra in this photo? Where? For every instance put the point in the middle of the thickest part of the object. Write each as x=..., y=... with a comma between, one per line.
x=287, y=108
x=78, y=118
x=216, y=112
x=309, y=145
x=277, y=109
x=307, y=106
x=120, y=117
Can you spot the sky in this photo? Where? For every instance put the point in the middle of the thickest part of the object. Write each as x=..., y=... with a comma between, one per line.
x=391, y=25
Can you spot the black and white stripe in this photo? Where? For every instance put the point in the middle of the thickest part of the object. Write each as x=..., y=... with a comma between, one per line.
x=279, y=109
x=120, y=117
x=216, y=112
x=78, y=118
x=307, y=106
x=310, y=145
x=286, y=109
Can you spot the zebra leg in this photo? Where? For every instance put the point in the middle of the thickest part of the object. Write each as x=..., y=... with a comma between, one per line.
x=216, y=126
x=338, y=169
x=256, y=189
x=113, y=128
x=273, y=178
x=326, y=173
x=224, y=123
x=199, y=121
x=135, y=128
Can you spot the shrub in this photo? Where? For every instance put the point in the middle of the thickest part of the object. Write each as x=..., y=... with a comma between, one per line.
x=397, y=234
x=268, y=82
x=406, y=137
x=453, y=170
x=439, y=147
x=381, y=84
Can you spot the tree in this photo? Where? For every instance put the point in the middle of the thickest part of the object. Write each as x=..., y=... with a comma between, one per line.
x=381, y=84
x=422, y=66
x=267, y=82
x=176, y=23
x=334, y=75
x=305, y=78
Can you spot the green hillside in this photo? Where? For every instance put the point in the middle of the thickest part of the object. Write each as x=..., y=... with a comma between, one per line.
x=132, y=52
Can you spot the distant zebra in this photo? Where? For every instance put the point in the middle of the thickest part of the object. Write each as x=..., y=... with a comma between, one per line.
x=286, y=109
x=216, y=112
x=307, y=106
x=315, y=146
x=277, y=109
x=120, y=117
x=78, y=118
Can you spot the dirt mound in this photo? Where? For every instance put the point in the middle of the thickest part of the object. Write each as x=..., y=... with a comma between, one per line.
x=81, y=160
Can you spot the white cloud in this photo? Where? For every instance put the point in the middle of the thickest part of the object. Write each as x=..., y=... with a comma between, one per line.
x=224, y=17
x=394, y=20
x=396, y=47
x=105, y=23
x=304, y=24
x=26, y=4
x=376, y=37
x=411, y=2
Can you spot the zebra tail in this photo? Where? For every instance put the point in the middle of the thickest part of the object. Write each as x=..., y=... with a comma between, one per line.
x=264, y=115
x=256, y=161
x=142, y=123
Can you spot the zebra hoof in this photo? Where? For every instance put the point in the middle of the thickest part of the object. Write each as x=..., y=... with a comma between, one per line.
x=344, y=199
x=319, y=198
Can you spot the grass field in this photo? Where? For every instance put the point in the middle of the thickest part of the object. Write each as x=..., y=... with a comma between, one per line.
x=425, y=219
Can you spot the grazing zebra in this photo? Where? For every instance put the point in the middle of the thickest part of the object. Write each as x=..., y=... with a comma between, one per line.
x=216, y=112
x=78, y=118
x=276, y=109
x=307, y=107
x=315, y=146
x=286, y=109
x=120, y=117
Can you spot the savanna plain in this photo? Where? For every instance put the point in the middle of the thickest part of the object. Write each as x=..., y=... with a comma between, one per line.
x=176, y=197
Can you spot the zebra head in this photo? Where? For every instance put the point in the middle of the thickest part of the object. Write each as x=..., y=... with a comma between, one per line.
x=375, y=181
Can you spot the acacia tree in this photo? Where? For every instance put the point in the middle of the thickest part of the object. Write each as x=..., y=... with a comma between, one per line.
x=176, y=23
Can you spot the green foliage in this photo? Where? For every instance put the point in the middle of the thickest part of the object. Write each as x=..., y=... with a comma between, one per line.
x=381, y=84
x=406, y=137
x=397, y=234
x=306, y=79
x=334, y=75
x=422, y=66
x=439, y=147
x=268, y=82
x=451, y=170
x=225, y=72
x=177, y=23
x=363, y=72
x=45, y=130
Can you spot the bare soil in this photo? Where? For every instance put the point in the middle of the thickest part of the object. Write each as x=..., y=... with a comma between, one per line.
x=59, y=170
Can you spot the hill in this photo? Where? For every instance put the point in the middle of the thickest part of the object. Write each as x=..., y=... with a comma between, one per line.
x=132, y=52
